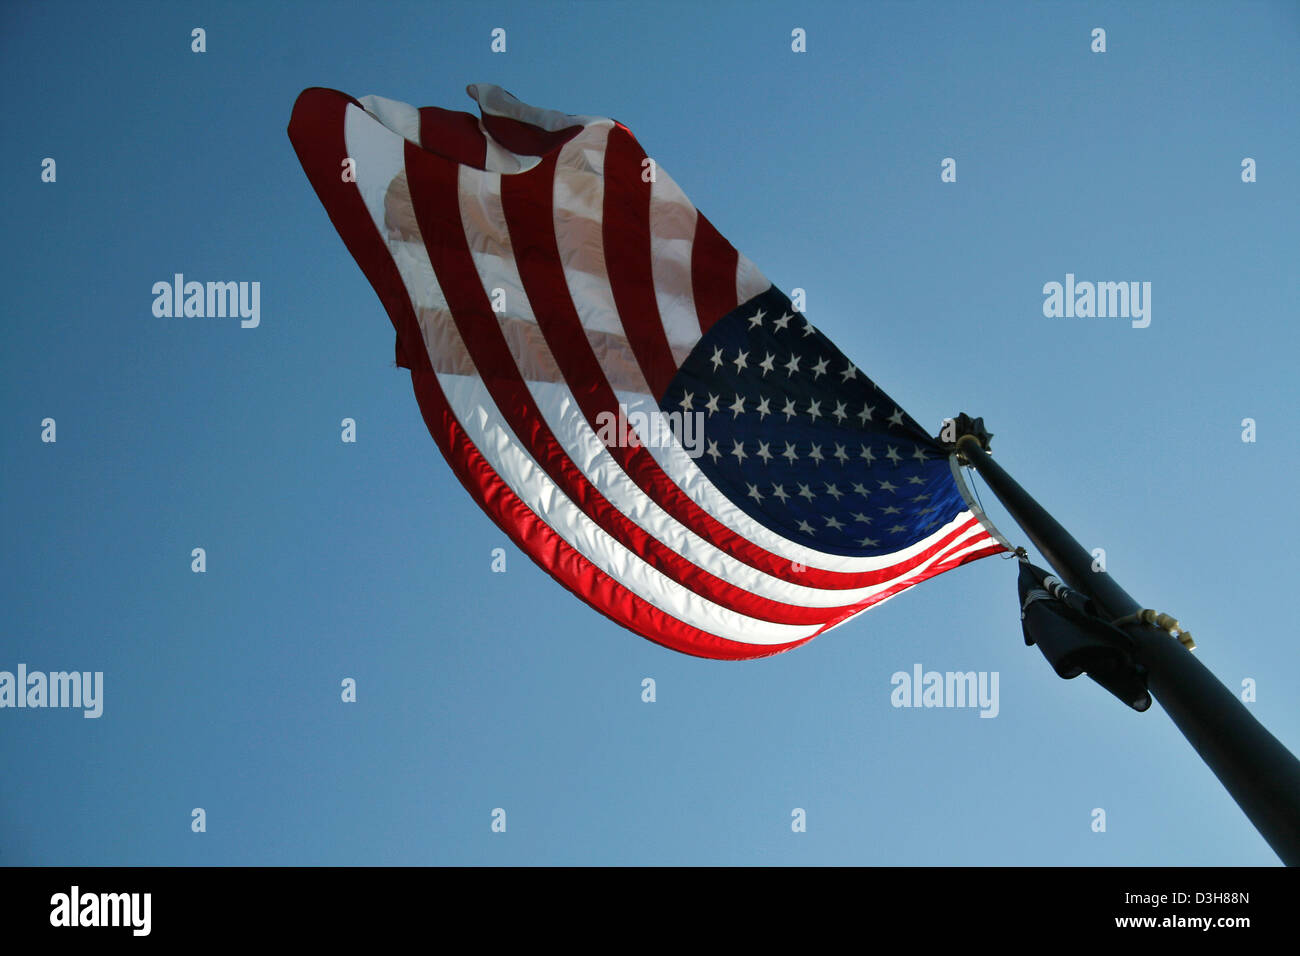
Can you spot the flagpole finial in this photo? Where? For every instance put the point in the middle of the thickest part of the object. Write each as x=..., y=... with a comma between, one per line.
x=964, y=427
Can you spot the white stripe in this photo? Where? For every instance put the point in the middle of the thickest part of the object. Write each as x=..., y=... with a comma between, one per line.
x=402, y=118
x=975, y=542
x=498, y=159
x=749, y=280
x=378, y=154
x=498, y=102
x=672, y=238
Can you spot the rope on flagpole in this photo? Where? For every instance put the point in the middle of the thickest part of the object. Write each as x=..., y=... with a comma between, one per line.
x=1007, y=555
x=969, y=492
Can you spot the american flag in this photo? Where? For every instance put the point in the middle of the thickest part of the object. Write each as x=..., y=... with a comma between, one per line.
x=568, y=317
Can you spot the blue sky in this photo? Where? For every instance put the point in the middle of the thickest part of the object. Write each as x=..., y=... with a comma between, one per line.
x=479, y=690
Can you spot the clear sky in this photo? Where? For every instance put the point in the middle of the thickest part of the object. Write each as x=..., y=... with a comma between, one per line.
x=478, y=690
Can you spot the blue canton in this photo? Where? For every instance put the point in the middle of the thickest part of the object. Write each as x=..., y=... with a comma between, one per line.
x=805, y=443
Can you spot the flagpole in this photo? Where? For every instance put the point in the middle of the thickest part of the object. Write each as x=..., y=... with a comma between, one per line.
x=1255, y=768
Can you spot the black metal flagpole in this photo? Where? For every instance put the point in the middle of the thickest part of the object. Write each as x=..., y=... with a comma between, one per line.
x=1255, y=768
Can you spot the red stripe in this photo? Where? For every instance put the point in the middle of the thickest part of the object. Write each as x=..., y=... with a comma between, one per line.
x=713, y=274
x=526, y=139
x=939, y=567
x=316, y=131
x=453, y=134
x=625, y=236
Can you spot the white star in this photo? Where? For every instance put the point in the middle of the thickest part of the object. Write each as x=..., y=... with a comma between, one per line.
x=779, y=492
x=816, y=454
x=756, y=320
x=866, y=453
x=713, y=452
x=763, y=410
x=841, y=454
x=789, y=409
x=865, y=414
x=790, y=453
x=808, y=328
x=915, y=480
x=741, y=360
x=897, y=417
x=766, y=364
x=869, y=543
x=861, y=489
x=814, y=409
x=892, y=454
x=925, y=511
x=833, y=522
x=763, y=453
x=921, y=498
x=717, y=358
x=783, y=321
x=891, y=510
x=685, y=403
x=834, y=492
x=754, y=492
x=849, y=372
x=897, y=529
x=859, y=516
x=806, y=492
x=805, y=527
x=840, y=412
x=792, y=366
x=739, y=450
x=887, y=486
x=919, y=453
x=819, y=369
x=737, y=406
x=712, y=404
